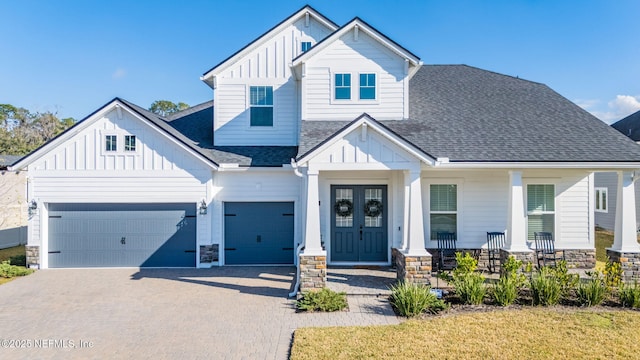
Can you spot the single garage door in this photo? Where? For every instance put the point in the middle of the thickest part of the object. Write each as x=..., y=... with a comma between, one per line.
x=258, y=233
x=126, y=235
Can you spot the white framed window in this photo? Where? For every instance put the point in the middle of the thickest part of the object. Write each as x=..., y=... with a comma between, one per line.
x=541, y=209
x=305, y=45
x=342, y=86
x=110, y=143
x=443, y=209
x=129, y=143
x=367, y=86
x=261, y=105
x=602, y=199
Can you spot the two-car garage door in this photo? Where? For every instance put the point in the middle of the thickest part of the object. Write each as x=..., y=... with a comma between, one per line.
x=122, y=235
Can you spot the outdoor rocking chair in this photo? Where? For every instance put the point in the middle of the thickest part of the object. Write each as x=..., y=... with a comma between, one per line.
x=495, y=240
x=545, y=249
x=446, y=250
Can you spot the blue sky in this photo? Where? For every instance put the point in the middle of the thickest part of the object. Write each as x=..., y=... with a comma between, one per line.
x=71, y=57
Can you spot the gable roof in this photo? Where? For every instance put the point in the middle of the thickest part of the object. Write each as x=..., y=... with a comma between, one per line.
x=468, y=114
x=369, y=30
x=154, y=120
x=206, y=77
x=7, y=160
x=629, y=126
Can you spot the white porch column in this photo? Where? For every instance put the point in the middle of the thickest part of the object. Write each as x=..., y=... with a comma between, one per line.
x=312, y=241
x=517, y=221
x=413, y=222
x=624, y=239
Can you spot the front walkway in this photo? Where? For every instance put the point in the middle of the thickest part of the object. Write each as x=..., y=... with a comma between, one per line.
x=219, y=313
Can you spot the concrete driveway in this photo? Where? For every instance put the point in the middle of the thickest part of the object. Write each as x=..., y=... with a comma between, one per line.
x=220, y=313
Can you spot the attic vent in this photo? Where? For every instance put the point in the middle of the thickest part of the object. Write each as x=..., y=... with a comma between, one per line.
x=306, y=19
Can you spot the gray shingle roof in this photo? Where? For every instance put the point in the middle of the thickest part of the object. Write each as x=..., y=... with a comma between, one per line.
x=7, y=160
x=629, y=126
x=469, y=114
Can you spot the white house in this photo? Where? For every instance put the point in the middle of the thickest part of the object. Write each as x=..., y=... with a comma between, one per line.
x=327, y=145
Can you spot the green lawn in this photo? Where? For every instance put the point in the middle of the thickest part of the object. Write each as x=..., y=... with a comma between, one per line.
x=531, y=333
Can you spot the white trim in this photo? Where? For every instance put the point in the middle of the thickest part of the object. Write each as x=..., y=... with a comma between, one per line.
x=556, y=213
x=459, y=182
x=600, y=166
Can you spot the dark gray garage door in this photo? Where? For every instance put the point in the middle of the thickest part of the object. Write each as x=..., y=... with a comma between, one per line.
x=258, y=233
x=105, y=235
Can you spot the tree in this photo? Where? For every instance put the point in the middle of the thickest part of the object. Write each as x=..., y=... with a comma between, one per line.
x=22, y=131
x=166, y=107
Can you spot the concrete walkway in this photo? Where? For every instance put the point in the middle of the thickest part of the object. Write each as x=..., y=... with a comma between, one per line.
x=220, y=313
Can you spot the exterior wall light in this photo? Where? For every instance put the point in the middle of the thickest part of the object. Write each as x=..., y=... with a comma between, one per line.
x=203, y=208
x=33, y=206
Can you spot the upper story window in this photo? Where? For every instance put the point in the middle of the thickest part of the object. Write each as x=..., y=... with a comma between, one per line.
x=305, y=45
x=602, y=203
x=541, y=210
x=261, y=101
x=110, y=142
x=343, y=86
x=367, y=86
x=129, y=143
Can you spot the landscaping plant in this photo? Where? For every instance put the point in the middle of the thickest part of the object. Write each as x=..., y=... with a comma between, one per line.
x=9, y=271
x=469, y=285
x=594, y=291
x=324, y=299
x=506, y=290
x=411, y=299
x=545, y=287
x=630, y=295
x=612, y=274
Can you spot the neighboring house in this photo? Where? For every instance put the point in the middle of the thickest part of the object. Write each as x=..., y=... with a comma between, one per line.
x=13, y=204
x=327, y=145
x=606, y=183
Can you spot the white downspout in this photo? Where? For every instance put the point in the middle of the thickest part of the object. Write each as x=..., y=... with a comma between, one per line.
x=294, y=165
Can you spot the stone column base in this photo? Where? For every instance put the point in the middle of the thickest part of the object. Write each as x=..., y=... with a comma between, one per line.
x=579, y=258
x=413, y=269
x=209, y=253
x=33, y=255
x=313, y=272
x=524, y=256
x=629, y=262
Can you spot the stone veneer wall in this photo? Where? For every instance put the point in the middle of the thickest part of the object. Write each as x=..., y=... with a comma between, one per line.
x=629, y=262
x=33, y=255
x=524, y=256
x=313, y=272
x=579, y=258
x=414, y=269
x=209, y=253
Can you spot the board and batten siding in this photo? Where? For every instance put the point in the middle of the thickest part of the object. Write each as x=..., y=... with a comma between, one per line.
x=484, y=197
x=346, y=55
x=254, y=186
x=78, y=170
x=267, y=65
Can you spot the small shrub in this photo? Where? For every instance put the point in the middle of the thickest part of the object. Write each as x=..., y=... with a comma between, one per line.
x=612, y=274
x=545, y=288
x=323, y=300
x=630, y=295
x=414, y=299
x=9, y=271
x=505, y=292
x=18, y=260
x=592, y=292
x=470, y=288
x=465, y=264
x=566, y=281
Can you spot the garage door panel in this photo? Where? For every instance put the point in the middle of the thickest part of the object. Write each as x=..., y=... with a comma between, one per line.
x=104, y=235
x=259, y=233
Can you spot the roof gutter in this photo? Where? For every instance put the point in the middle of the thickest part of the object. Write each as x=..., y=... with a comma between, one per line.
x=611, y=166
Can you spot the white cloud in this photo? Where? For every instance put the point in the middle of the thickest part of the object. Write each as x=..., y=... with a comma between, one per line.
x=618, y=108
x=119, y=73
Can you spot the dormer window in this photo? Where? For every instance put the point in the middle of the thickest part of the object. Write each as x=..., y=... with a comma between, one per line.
x=367, y=86
x=261, y=102
x=305, y=45
x=110, y=143
x=343, y=86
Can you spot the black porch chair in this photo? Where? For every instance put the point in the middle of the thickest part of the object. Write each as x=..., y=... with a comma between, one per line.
x=446, y=250
x=495, y=240
x=545, y=249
